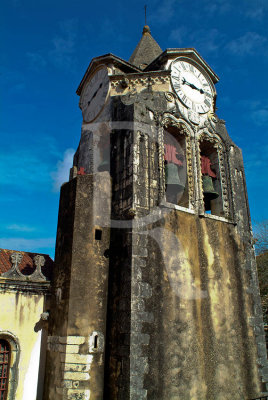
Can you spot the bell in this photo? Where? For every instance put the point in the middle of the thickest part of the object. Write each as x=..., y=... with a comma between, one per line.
x=173, y=183
x=209, y=191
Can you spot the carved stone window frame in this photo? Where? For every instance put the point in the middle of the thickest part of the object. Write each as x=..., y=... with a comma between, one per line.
x=218, y=145
x=169, y=120
x=14, y=363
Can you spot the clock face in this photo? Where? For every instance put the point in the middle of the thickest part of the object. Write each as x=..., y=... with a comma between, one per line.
x=191, y=86
x=94, y=95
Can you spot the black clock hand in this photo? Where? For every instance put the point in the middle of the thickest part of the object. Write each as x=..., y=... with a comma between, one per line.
x=94, y=95
x=184, y=82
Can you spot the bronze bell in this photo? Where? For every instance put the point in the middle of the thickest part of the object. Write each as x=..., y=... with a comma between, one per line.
x=209, y=191
x=173, y=183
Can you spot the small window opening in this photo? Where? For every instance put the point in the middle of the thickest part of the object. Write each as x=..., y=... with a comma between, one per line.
x=176, y=167
x=4, y=368
x=211, y=179
x=98, y=234
x=106, y=253
x=96, y=342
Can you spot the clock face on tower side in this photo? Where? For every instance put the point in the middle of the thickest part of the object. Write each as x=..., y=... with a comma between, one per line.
x=94, y=95
x=191, y=86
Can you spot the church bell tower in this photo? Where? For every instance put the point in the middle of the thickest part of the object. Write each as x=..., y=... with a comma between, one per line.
x=155, y=292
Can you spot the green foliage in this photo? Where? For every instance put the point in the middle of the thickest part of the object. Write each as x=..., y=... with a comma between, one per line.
x=261, y=247
x=261, y=237
x=262, y=265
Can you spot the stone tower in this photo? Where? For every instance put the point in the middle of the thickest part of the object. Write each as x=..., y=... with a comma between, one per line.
x=155, y=293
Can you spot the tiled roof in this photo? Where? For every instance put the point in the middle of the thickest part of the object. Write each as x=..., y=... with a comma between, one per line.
x=26, y=266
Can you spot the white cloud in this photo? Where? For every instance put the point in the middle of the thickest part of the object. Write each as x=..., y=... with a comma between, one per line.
x=30, y=168
x=62, y=54
x=256, y=163
x=22, y=244
x=179, y=34
x=257, y=111
x=257, y=9
x=204, y=40
x=20, y=228
x=217, y=6
x=260, y=117
x=61, y=174
x=24, y=169
x=249, y=43
x=62, y=49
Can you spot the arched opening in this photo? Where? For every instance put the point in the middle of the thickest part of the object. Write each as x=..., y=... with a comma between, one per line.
x=211, y=178
x=5, y=355
x=176, y=179
x=10, y=354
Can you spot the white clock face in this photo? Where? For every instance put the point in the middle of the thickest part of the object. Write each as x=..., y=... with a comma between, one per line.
x=94, y=95
x=191, y=86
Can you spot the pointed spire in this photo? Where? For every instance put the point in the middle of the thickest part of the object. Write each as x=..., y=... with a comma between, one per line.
x=146, y=50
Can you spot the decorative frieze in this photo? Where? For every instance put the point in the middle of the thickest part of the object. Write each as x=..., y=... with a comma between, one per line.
x=134, y=80
x=15, y=273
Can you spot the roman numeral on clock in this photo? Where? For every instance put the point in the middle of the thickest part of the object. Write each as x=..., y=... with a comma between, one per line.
x=207, y=102
x=177, y=69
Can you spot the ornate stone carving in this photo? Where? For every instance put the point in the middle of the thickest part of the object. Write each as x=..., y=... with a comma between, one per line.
x=213, y=120
x=135, y=80
x=14, y=272
x=205, y=134
x=39, y=263
x=171, y=120
x=193, y=117
x=170, y=97
x=174, y=106
x=125, y=83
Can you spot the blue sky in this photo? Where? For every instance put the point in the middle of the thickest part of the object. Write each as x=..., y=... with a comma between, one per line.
x=45, y=49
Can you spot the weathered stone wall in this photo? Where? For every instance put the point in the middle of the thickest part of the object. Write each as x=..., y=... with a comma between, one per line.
x=203, y=346
x=77, y=327
x=179, y=323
